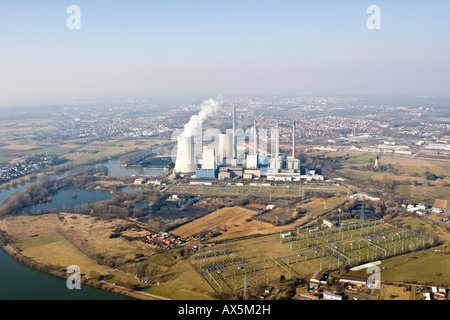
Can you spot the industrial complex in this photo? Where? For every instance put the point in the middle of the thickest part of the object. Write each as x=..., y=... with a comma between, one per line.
x=230, y=158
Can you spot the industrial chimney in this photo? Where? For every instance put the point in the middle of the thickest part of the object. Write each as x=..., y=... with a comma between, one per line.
x=234, y=133
x=293, y=140
x=277, y=140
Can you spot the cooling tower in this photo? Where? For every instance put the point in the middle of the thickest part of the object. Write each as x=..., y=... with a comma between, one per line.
x=185, y=162
x=222, y=148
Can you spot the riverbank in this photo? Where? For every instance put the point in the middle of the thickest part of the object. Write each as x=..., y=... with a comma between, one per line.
x=49, y=242
x=94, y=283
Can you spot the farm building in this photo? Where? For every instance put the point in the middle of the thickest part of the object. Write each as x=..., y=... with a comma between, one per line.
x=362, y=281
x=317, y=278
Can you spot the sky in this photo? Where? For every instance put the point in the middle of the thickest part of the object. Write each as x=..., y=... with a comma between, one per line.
x=135, y=49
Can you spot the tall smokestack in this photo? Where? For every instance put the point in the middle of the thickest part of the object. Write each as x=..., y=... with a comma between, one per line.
x=293, y=140
x=234, y=133
x=277, y=147
x=255, y=138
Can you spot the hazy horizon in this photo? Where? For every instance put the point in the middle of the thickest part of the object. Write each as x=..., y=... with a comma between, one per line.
x=143, y=49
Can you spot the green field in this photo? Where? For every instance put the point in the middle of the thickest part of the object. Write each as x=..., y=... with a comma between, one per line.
x=5, y=159
x=175, y=276
x=430, y=266
x=60, y=252
x=360, y=158
x=280, y=190
x=357, y=174
x=50, y=151
x=443, y=192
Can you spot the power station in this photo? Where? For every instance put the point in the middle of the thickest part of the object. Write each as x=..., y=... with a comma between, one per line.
x=223, y=161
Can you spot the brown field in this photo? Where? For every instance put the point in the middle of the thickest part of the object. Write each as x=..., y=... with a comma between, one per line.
x=405, y=161
x=440, y=203
x=234, y=222
x=233, y=219
x=109, y=184
x=237, y=222
x=390, y=292
x=280, y=214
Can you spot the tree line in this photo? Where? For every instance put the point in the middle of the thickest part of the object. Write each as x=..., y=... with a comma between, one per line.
x=41, y=191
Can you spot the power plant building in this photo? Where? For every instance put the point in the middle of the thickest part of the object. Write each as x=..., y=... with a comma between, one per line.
x=252, y=161
x=206, y=174
x=209, y=159
x=225, y=148
x=221, y=161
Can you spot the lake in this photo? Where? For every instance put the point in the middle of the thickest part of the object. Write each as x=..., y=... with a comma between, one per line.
x=64, y=199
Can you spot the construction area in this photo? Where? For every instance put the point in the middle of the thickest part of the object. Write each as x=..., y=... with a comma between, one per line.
x=232, y=266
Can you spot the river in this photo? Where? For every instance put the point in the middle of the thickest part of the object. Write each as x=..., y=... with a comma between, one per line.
x=115, y=170
x=20, y=282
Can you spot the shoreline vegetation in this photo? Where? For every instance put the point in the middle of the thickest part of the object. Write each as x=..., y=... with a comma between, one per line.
x=95, y=283
x=41, y=192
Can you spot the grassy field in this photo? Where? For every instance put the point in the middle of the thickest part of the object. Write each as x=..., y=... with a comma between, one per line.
x=84, y=235
x=5, y=159
x=233, y=221
x=417, y=193
x=360, y=158
x=175, y=278
x=58, y=251
x=264, y=259
x=394, y=293
x=106, y=150
x=51, y=151
x=407, y=170
x=443, y=192
x=51, y=240
x=319, y=206
x=73, y=240
x=430, y=266
x=236, y=222
x=278, y=190
x=91, y=152
x=357, y=174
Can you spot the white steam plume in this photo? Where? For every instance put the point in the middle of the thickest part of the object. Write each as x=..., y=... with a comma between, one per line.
x=207, y=108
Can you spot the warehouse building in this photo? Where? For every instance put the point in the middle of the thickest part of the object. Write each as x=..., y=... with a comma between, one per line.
x=359, y=281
